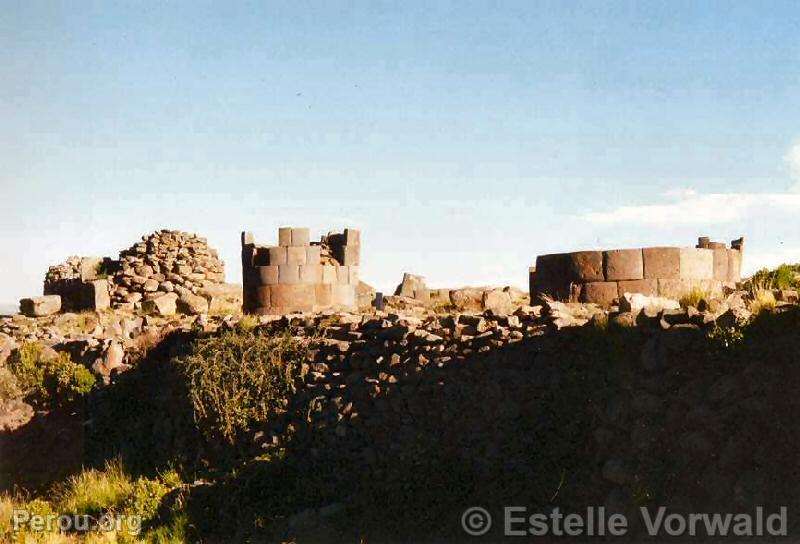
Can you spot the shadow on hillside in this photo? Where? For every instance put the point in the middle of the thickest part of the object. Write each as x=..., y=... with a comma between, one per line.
x=577, y=418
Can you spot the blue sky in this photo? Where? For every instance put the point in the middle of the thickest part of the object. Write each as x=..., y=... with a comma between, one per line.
x=462, y=138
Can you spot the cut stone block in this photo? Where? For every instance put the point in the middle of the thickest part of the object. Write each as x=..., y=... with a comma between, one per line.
x=661, y=263
x=278, y=256
x=247, y=256
x=352, y=237
x=734, y=265
x=343, y=296
x=342, y=275
x=301, y=237
x=600, y=292
x=94, y=295
x=324, y=296
x=267, y=275
x=312, y=255
x=720, y=272
x=552, y=276
x=349, y=255
x=289, y=274
x=285, y=236
x=586, y=266
x=298, y=298
x=40, y=306
x=262, y=296
x=261, y=256
x=352, y=276
x=295, y=255
x=329, y=275
x=643, y=287
x=623, y=264
x=164, y=305
x=248, y=238
x=697, y=263
x=310, y=273
x=675, y=289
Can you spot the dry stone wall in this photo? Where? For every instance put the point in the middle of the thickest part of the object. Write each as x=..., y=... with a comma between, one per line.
x=167, y=271
x=604, y=276
x=298, y=275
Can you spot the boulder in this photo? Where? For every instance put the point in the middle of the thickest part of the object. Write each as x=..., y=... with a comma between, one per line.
x=467, y=299
x=192, y=304
x=412, y=286
x=636, y=302
x=40, y=306
x=497, y=301
x=164, y=305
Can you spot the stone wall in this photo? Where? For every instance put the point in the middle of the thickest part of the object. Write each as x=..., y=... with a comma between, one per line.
x=165, y=262
x=604, y=276
x=298, y=275
x=80, y=282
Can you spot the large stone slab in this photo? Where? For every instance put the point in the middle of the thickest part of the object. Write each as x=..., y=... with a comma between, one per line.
x=720, y=270
x=586, y=266
x=343, y=297
x=267, y=275
x=603, y=293
x=95, y=296
x=552, y=276
x=163, y=305
x=734, y=265
x=40, y=306
x=661, y=263
x=296, y=255
x=298, y=297
x=623, y=264
x=644, y=287
x=697, y=263
x=301, y=237
x=289, y=274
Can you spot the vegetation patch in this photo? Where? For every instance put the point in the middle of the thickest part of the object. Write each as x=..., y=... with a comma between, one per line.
x=49, y=380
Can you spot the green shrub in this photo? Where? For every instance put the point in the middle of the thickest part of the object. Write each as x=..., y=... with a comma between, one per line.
x=238, y=378
x=145, y=498
x=783, y=277
x=53, y=380
x=95, y=491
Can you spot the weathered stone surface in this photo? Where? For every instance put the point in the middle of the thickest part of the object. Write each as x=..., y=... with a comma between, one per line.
x=720, y=271
x=343, y=296
x=734, y=265
x=288, y=274
x=586, y=266
x=164, y=305
x=623, y=264
x=300, y=236
x=410, y=284
x=96, y=296
x=284, y=237
x=497, y=301
x=466, y=299
x=661, y=262
x=697, y=263
x=644, y=287
x=296, y=255
x=552, y=276
x=636, y=302
x=298, y=296
x=310, y=273
x=192, y=304
x=267, y=275
x=603, y=293
x=40, y=306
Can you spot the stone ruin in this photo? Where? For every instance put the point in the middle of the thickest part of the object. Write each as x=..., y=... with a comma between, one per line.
x=81, y=282
x=602, y=277
x=298, y=275
x=167, y=271
x=166, y=263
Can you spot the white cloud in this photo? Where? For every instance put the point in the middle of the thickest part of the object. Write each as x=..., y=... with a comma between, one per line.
x=693, y=208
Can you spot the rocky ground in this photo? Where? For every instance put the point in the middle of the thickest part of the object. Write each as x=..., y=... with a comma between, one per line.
x=618, y=406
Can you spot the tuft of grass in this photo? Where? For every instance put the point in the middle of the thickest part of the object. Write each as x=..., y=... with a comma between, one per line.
x=239, y=377
x=248, y=323
x=93, y=491
x=763, y=300
x=692, y=298
x=785, y=276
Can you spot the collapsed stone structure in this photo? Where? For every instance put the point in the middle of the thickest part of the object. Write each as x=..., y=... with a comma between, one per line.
x=167, y=271
x=298, y=275
x=604, y=276
x=81, y=282
x=165, y=263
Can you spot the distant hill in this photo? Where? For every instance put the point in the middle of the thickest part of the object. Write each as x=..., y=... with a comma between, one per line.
x=8, y=309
